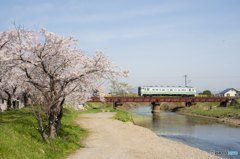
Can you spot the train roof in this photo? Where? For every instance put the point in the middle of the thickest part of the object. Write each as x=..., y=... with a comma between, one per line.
x=171, y=86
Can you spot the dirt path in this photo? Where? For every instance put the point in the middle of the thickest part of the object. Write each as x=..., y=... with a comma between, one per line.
x=113, y=139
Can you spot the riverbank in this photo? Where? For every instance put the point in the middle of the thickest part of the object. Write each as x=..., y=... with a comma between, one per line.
x=21, y=138
x=228, y=115
x=226, y=120
x=110, y=138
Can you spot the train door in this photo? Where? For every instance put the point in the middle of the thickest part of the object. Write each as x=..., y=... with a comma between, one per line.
x=139, y=91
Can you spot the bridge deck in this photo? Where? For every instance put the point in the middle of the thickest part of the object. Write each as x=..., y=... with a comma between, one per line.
x=163, y=99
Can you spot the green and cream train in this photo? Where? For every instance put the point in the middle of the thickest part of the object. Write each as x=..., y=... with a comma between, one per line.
x=166, y=91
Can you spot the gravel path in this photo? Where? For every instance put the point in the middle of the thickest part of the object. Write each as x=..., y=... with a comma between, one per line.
x=113, y=139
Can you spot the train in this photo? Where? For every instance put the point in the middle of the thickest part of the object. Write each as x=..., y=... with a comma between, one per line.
x=166, y=91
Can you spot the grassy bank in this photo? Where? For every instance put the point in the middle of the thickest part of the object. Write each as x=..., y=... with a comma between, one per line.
x=20, y=136
x=96, y=107
x=216, y=111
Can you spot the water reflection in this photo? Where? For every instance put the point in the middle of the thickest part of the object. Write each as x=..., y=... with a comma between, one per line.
x=201, y=133
x=156, y=119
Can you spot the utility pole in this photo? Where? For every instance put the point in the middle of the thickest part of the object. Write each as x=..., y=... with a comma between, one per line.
x=186, y=81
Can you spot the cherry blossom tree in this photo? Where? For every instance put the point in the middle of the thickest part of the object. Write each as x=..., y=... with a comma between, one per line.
x=10, y=85
x=57, y=69
x=11, y=77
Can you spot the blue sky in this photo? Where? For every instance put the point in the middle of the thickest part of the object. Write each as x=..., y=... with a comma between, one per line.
x=158, y=41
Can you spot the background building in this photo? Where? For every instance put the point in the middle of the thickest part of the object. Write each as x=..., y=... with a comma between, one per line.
x=15, y=103
x=228, y=92
x=238, y=94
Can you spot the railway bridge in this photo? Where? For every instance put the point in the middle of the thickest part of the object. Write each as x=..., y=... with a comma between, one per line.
x=156, y=101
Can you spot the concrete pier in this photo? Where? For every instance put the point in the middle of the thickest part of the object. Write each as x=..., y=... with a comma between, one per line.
x=118, y=105
x=156, y=107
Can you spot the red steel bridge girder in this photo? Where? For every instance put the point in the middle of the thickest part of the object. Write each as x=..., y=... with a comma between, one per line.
x=162, y=99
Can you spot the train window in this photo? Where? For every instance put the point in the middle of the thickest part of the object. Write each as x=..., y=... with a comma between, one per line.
x=179, y=90
x=183, y=89
x=189, y=90
x=171, y=89
x=163, y=89
x=167, y=89
x=175, y=89
x=156, y=89
x=147, y=89
x=159, y=89
x=153, y=89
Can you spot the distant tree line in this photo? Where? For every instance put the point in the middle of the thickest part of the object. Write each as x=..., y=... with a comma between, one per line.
x=206, y=92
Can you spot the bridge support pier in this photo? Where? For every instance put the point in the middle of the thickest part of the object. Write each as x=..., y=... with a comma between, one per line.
x=233, y=102
x=188, y=104
x=118, y=105
x=156, y=107
x=223, y=104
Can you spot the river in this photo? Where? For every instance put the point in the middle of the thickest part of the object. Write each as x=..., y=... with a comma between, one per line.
x=197, y=132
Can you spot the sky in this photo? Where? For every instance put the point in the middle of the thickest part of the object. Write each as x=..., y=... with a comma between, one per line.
x=159, y=41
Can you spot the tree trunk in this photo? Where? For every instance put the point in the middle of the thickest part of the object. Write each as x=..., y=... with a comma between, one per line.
x=59, y=119
x=25, y=99
x=9, y=102
x=52, y=130
x=60, y=115
x=44, y=136
x=52, y=121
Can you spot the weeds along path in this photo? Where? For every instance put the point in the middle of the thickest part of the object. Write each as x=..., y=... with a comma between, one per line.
x=113, y=139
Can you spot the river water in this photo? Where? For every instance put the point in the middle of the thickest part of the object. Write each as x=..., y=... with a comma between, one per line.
x=197, y=132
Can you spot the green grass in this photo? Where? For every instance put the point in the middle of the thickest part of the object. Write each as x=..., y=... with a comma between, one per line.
x=218, y=112
x=20, y=136
x=201, y=108
x=121, y=115
x=202, y=105
x=234, y=107
x=95, y=104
